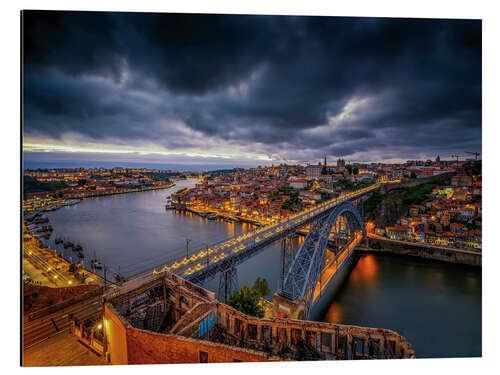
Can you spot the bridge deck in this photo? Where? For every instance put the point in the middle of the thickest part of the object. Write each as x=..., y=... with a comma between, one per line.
x=207, y=263
x=333, y=265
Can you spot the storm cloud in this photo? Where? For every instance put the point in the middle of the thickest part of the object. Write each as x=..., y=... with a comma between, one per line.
x=262, y=88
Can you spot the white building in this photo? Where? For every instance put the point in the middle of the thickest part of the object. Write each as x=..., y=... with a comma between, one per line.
x=313, y=171
x=297, y=183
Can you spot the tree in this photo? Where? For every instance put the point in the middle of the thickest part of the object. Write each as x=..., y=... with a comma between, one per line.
x=323, y=170
x=413, y=175
x=349, y=168
x=247, y=301
x=355, y=170
x=262, y=287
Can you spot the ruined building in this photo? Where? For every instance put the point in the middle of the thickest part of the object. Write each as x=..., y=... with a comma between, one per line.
x=163, y=318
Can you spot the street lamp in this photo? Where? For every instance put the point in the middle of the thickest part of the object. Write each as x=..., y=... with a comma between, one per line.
x=206, y=250
x=187, y=247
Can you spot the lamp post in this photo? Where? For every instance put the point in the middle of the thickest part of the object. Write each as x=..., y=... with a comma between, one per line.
x=206, y=249
x=187, y=247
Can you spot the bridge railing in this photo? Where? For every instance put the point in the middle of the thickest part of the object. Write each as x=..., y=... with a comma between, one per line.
x=217, y=250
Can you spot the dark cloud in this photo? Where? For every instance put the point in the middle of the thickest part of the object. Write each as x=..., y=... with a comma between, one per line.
x=291, y=87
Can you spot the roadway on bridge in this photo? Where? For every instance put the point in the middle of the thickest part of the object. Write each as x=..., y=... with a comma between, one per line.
x=189, y=267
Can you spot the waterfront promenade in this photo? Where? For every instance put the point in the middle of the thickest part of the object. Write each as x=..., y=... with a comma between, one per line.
x=46, y=267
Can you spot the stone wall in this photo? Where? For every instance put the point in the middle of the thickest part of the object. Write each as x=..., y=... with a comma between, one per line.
x=151, y=348
x=207, y=330
x=450, y=255
x=286, y=337
x=444, y=178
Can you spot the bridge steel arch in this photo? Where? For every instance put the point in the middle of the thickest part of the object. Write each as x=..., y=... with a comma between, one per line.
x=302, y=277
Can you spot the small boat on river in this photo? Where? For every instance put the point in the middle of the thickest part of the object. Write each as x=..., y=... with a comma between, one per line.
x=118, y=277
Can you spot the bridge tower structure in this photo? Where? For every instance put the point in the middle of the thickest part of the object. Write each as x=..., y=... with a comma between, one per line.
x=299, y=284
x=228, y=283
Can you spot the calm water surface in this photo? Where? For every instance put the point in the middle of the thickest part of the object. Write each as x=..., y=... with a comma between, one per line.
x=436, y=306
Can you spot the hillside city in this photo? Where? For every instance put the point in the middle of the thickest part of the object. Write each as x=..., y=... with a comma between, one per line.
x=432, y=213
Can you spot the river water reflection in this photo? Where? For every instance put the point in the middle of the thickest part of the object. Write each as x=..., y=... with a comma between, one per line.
x=437, y=307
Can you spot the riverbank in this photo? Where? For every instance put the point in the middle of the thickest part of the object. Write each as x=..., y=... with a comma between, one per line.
x=46, y=267
x=443, y=254
x=222, y=215
x=35, y=206
x=122, y=191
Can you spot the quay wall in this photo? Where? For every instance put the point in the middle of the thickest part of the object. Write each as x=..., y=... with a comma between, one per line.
x=450, y=255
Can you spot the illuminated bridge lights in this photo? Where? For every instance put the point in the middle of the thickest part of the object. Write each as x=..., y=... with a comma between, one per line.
x=262, y=232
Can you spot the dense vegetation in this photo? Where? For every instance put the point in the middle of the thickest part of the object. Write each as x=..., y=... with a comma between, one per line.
x=417, y=195
x=223, y=172
x=31, y=185
x=386, y=209
x=159, y=176
x=247, y=299
x=473, y=169
x=294, y=203
x=371, y=203
x=351, y=186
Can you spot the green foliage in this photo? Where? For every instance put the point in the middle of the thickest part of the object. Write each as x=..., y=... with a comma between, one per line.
x=324, y=170
x=293, y=203
x=473, y=169
x=417, y=195
x=350, y=186
x=413, y=175
x=262, y=287
x=349, y=168
x=285, y=189
x=355, y=171
x=371, y=203
x=247, y=300
x=31, y=185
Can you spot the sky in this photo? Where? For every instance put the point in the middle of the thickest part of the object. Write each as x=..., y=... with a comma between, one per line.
x=208, y=91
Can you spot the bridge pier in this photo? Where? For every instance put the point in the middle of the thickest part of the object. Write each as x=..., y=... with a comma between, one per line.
x=287, y=255
x=228, y=284
x=284, y=307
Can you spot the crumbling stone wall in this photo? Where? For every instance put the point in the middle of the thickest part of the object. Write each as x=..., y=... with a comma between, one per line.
x=149, y=348
x=232, y=335
x=284, y=337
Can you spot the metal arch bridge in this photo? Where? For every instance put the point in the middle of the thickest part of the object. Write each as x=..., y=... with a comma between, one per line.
x=305, y=272
x=207, y=263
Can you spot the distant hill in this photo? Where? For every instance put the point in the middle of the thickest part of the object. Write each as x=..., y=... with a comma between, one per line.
x=32, y=185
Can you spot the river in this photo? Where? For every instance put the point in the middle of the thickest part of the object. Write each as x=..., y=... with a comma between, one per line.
x=436, y=306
